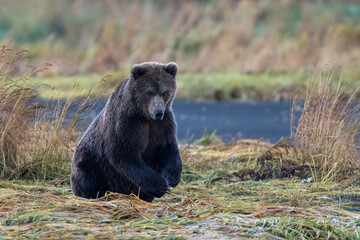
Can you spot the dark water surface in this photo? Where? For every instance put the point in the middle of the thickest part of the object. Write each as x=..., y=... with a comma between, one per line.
x=231, y=120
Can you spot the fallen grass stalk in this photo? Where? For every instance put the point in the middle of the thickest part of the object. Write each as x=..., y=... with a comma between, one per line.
x=226, y=208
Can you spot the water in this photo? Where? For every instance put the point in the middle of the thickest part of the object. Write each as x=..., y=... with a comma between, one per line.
x=231, y=120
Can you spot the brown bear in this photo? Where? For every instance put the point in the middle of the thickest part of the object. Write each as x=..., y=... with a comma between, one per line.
x=131, y=146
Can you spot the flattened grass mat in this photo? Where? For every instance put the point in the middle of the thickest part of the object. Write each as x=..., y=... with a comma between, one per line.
x=211, y=202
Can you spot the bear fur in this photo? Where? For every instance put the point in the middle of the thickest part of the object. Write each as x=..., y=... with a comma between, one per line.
x=131, y=146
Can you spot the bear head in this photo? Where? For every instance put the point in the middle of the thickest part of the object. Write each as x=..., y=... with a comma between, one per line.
x=153, y=87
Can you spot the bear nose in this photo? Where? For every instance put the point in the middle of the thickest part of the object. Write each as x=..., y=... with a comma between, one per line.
x=159, y=114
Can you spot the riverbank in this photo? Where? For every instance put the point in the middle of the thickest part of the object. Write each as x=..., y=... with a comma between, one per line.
x=212, y=202
x=199, y=86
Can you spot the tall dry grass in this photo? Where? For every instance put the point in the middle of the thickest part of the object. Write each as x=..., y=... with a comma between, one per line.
x=207, y=36
x=16, y=112
x=328, y=129
x=53, y=140
x=36, y=140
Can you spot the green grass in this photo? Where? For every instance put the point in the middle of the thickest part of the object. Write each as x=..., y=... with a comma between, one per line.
x=62, y=87
x=195, y=86
x=229, y=86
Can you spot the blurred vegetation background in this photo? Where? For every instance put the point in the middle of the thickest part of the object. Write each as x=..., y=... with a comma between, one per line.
x=82, y=37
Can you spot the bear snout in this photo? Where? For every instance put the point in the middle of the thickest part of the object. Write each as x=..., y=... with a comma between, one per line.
x=157, y=108
x=159, y=114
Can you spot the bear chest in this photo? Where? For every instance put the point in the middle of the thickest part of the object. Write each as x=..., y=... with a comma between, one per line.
x=155, y=139
x=155, y=145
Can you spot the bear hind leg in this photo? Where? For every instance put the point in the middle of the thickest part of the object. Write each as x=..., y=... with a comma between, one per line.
x=86, y=179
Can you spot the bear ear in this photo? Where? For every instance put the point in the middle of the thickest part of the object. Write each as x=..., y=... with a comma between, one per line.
x=137, y=71
x=171, y=68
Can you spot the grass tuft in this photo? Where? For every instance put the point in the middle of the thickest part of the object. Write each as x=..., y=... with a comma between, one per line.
x=16, y=112
x=36, y=140
x=327, y=130
x=208, y=139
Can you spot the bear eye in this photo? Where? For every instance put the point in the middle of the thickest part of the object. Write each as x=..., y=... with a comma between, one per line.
x=150, y=93
x=164, y=94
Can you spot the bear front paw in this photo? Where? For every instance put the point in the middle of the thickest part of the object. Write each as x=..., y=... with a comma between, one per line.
x=156, y=187
x=172, y=177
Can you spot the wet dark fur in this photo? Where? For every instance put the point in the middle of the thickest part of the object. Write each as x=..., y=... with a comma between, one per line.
x=126, y=151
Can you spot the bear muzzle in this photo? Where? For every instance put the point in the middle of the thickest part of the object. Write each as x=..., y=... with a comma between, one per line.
x=157, y=108
x=159, y=114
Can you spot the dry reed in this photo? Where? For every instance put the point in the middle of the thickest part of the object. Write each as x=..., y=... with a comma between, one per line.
x=328, y=127
x=16, y=111
x=35, y=139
